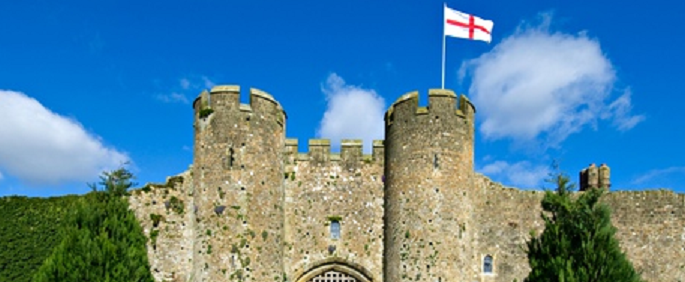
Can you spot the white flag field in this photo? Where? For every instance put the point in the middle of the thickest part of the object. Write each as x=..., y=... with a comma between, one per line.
x=463, y=25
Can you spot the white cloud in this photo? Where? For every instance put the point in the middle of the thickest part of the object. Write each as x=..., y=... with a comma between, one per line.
x=186, y=86
x=620, y=110
x=521, y=174
x=352, y=113
x=536, y=82
x=1, y=176
x=207, y=83
x=173, y=98
x=185, y=83
x=42, y=147
x=652, y=174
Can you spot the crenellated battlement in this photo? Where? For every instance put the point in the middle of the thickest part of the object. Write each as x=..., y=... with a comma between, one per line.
x=440, y=101
x=227, y=98
x=351, y=151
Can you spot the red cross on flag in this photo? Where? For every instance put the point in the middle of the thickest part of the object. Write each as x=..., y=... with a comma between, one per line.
x=462, y=25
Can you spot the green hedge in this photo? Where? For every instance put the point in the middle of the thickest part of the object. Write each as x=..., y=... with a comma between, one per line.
x=29, y=232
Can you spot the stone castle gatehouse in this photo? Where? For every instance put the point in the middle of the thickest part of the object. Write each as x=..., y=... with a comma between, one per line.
x=253, y=208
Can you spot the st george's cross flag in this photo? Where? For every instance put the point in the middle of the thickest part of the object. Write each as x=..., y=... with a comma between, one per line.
x=462, y=25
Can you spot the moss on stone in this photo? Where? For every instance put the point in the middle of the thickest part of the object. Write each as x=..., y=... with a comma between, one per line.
x=206, y=112
x=153, y=236
x=334, y=218
x=238, y=274
x=176, y=205
x=156, y=219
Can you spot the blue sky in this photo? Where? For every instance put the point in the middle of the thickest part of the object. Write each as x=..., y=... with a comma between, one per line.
x=86, y=85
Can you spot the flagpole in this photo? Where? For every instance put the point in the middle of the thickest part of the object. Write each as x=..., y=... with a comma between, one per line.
x=443, y=61
x=443, y=45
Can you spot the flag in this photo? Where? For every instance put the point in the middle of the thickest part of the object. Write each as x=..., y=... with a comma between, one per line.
x=462, y=25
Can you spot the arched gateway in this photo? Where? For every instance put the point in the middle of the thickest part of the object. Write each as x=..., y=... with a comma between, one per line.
x=335, y=271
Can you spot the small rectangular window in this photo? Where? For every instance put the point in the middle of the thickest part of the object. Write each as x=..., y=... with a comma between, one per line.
x=335, y=229
x=487, y=264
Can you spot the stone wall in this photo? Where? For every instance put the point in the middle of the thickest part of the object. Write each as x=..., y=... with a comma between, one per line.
x=322, y=187
x=651, y=224
x=504, y=216
x=651, y=229
x=165, y=213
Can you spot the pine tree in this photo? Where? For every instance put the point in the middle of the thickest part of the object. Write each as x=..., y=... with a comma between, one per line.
x=578, y=243
x=103, y=240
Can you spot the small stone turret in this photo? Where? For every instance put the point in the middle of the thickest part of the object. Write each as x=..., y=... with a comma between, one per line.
x=595, y=177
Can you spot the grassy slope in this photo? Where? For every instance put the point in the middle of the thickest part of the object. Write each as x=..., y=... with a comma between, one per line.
x=28, y=233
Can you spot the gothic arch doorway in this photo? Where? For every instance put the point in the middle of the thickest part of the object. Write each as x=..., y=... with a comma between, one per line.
x=335, y=271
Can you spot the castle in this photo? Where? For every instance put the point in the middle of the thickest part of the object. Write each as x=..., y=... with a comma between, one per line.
x=253, y=208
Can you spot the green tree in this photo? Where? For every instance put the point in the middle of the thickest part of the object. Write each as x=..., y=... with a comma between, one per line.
x=29, y=231
x=578, y=243
x=102, y=241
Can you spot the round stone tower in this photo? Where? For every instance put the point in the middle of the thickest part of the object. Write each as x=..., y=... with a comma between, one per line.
x=428, y=182
x=238, y=186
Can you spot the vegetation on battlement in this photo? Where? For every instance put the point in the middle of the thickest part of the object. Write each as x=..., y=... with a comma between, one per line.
x=169, y=184
x=206, y=112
